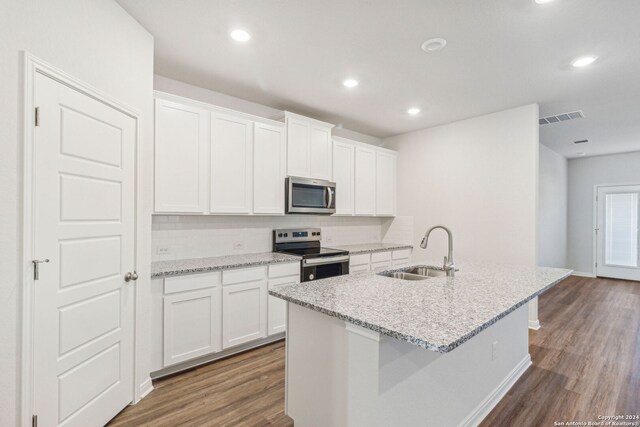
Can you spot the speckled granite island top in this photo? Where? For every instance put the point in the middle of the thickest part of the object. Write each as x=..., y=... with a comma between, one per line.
x=371, y=247
x=199, y=265
x=437, y=313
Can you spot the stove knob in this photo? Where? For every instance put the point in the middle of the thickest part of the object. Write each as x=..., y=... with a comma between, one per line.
x=279, y=234
x=311, y=277
x=286, y=234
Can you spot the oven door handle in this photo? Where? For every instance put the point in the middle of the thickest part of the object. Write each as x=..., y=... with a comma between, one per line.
x=327, y=260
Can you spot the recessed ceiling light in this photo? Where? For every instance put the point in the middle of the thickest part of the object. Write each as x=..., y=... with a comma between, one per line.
x=413, y=111
x=581, y=153
x=542, y=1
x=240, y=35
x=350, y=83
x=584, y=61
x=432, y=45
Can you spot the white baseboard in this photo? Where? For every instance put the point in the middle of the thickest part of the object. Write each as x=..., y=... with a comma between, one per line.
x=497, y=394
x=534, y=324
x=583, y=274
x=145, y=388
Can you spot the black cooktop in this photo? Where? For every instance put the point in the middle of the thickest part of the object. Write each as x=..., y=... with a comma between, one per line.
x=313, y=252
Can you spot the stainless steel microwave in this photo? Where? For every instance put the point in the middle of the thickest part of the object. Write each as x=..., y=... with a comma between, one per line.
x=310, y=196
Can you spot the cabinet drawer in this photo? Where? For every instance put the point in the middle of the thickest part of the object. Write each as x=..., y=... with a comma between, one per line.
x=240, y=275
x=280, y=270
x=191, y=282
x=360, y=259
x=283, y=281
x=401, y=253
x=357, y=268
x=381, y=264
x=380, y=257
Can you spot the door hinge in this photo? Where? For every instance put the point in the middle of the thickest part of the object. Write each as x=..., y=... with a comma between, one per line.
x=37, y=116
x=34, y=421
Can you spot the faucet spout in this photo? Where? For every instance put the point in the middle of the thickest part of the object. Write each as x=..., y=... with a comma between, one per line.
x=448, y=266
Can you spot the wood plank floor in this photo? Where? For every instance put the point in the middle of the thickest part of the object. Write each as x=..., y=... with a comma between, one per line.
x=586, y=362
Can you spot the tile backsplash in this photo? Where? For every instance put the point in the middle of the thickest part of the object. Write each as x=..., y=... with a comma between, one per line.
x=183, y=236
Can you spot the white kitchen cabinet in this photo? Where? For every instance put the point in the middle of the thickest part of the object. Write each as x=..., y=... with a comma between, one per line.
x=309, y=147
x=359, y=262
x=231, y=164
x=365, y=179
x=343, y=176
x=384, y=259
x=192, y=317
x=385, y=183
x=244, y=306
x=401, y=257
x=380, y=260
x=269, y=162
x=180, y=158
x=280, y=275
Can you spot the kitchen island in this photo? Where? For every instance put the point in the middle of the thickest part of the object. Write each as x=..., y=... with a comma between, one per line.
x=370, y=350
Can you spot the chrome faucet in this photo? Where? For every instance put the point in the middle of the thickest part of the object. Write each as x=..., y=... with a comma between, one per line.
x=448, y=266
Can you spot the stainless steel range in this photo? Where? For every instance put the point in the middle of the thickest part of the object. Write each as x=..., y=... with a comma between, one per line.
x=317, y=262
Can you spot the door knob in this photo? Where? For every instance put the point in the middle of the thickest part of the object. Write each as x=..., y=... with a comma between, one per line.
x=131, y=276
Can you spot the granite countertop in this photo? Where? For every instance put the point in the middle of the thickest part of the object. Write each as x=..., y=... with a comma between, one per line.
x=198, y=265
x=371, y=247
x=438, y=313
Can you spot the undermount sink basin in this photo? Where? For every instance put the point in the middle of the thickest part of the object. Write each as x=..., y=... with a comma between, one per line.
x=415, y=273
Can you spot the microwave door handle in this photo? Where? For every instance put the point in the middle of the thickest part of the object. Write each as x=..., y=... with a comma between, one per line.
x=330, y=194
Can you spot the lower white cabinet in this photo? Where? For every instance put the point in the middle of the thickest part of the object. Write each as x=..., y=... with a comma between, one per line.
x=380, y=260
x=279, y=276
x=384, y=259
x=244, y=306
x=191, y=317
x=400, y=257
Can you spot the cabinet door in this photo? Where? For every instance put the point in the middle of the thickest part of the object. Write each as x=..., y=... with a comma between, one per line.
x=385, y=183
x=365, y=189
x=343, y=165
x=180, y=158
x=320, y=160
x=231, y=164
x=298, y=133
x=192, y=324
x=244, y=312
x=268, y=169
x=278, y=307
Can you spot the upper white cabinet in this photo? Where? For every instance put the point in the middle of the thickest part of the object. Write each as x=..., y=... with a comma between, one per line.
x=309, y=147
x=365, y=179
x=231, y=155
x=386, y=183
x=343, y=176
x=180, y=158
x=269, y=158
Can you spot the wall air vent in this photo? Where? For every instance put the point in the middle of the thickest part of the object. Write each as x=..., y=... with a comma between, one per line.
x=563, y=117
x=582, y=141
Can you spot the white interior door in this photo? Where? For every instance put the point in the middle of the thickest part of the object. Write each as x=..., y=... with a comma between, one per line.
x=84, y=224
x=618, y=219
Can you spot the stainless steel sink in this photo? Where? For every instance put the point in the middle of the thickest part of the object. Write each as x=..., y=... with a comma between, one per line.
x=415, y=273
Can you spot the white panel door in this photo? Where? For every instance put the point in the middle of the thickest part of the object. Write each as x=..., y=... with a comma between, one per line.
x=618, y=228
x=269, y=158
x=343, y=176
x=298, y=134
x=84, y=212
x=231, y=164
x=278, y=307
x=320, y=158
x=192, y=324
x=180, y=158
x=365, y=188
x=385, y=183
x=244, y=312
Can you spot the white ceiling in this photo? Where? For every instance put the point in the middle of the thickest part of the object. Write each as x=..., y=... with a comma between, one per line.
x=500, y=54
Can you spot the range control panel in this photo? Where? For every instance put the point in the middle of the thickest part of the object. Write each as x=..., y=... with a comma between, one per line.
x=296, y=235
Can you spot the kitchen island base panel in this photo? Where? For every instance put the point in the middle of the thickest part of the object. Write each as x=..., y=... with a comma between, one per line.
x=340, y=374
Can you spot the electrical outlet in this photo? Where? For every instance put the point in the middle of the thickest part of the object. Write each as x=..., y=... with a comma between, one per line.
x=163, y=250
x=495, y=350
x=238, y=245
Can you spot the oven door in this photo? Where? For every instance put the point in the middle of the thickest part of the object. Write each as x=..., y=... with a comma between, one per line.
x=310, y=196
x=321, y=268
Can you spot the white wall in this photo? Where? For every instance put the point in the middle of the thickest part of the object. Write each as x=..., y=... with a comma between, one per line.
x=552, y=209
x=98, y=43
x=584, y=175
x=477, y=176
x=179, y=88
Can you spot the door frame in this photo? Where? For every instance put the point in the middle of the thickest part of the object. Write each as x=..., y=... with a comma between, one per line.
x=594, y=237
x=33, y=66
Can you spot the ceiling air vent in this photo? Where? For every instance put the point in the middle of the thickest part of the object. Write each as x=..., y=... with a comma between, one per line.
x=561, y=117
x=582, y=141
